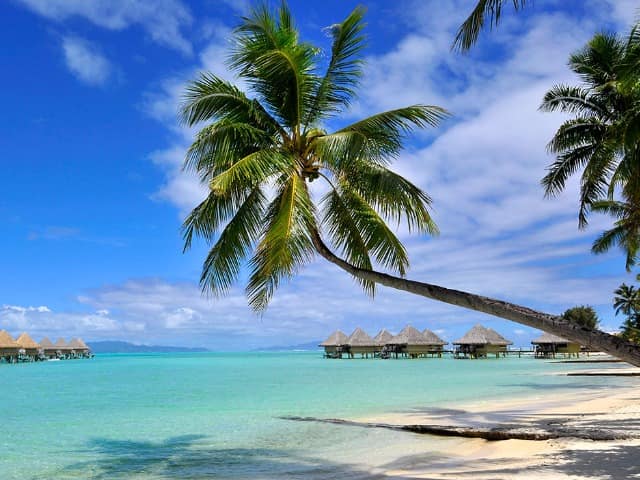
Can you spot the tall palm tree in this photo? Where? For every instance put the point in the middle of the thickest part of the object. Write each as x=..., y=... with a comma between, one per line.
x=469, y=31
x=259, y=153
x=602, y=140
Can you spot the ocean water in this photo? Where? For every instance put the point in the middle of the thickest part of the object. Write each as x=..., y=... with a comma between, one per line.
x=215, y=415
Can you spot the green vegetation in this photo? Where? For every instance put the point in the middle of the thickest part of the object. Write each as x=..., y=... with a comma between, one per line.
x=583, y=315
x=469, y=31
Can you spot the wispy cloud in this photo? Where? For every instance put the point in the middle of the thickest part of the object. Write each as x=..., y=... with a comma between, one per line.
x=72, y=234
x=85, y=61
x=163, y=20
x=53, y=233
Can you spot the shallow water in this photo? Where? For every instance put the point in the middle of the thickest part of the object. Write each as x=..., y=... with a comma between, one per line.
x=193, y=416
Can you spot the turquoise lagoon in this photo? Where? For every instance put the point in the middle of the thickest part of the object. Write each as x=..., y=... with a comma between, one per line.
x=215, y=415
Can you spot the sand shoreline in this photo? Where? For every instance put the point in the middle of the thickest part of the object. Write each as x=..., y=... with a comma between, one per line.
x=567, y=458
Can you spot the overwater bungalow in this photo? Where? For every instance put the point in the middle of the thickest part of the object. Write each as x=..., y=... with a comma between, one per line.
x=47, y=348
x=383, y=349
x=480, y=342
x=383, y=337
x=548, y=345
x=437, y=344
x=63, y=350
x=28, y=348
x=9, y=349
x=360, y=342
x=411, y=343
x=79, y=348
x=335, y=345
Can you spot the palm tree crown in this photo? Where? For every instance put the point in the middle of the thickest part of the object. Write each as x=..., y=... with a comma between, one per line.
x=626, y=300
x=259, y=152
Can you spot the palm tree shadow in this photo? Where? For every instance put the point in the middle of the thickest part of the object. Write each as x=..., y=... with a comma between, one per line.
x=190, y=457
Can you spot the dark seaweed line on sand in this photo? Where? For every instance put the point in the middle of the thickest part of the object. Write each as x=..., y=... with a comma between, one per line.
x=506, y=432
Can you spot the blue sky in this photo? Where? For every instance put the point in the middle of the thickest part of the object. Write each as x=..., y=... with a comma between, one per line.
x=93, y=195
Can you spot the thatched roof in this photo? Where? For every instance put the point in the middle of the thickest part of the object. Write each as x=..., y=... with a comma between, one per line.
x=25, y=341
x=336, y=339
x=411, y=336
x=360, y=338
x=383, y=337
x=497, y=339
x=62, y=345
x=432, y=338
x=480, y=335
x=46, y=344
x=548, y=338
x=78, y=344
x=6, y=340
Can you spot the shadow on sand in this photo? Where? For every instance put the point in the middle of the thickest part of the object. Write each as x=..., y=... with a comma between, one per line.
x=194, y=457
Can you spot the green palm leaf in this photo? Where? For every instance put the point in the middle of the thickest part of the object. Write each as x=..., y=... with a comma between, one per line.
x=285, y=245
x=223, y=263
x=469, y=31
x=336, y=88
x=377, y=138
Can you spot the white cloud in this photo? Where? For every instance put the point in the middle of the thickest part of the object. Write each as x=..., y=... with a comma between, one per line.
x=163, y=20
x=85, y=61
x=181, y=188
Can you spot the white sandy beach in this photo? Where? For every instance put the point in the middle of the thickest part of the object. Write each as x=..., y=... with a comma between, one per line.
x=566, y=458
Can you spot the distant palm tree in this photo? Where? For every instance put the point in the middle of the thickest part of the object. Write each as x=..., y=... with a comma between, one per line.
x=258, y=154
x=626, y=300
x=602, y=140
x=469, y=31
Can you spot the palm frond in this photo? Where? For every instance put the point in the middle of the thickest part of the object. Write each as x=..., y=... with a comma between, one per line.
x=395, y=197
x=210, y=98
x=219, y=145
x=599, y=62
x=577, y=132
x=337, y=87
x=206, y=219
x=469, y=31
x=613, y=208
x=381, y=242
x=345, y=235
x=274, y=63
x=576, y=100
x=595, y=180
x=255, y=168
x=224, y=261
x=565, y=165
x=377, y=138
x=285, y=244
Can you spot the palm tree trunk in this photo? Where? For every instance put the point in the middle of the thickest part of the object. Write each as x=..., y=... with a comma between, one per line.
x=553, y=324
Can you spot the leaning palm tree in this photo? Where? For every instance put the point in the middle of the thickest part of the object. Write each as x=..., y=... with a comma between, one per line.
x=602, y=139
x=259, y=154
